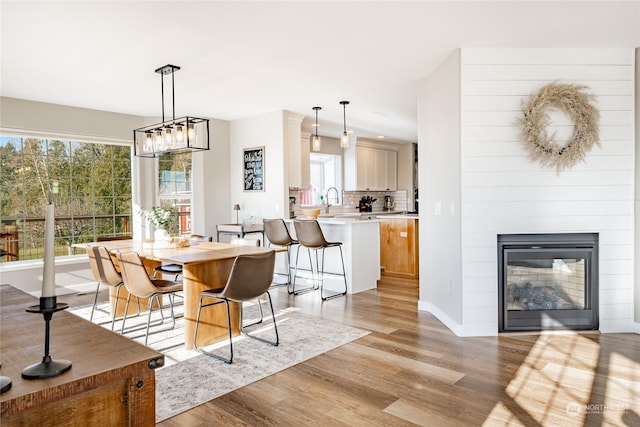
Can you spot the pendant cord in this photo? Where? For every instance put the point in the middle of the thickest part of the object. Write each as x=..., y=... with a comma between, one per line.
x=162, y=90
x=173, y=95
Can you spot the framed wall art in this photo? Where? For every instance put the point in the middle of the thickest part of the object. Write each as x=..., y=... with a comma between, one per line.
x=253, y=168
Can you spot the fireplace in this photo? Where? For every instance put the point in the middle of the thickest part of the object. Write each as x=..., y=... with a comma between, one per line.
x=548, y=281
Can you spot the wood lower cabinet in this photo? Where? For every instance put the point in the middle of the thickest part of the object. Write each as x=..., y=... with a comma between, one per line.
x=111, y=381
x=399, y=247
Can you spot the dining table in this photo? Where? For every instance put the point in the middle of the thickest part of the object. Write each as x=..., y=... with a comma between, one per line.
x=205, y=265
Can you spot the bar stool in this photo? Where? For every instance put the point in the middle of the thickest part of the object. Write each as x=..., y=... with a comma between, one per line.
x=310, y=236
x=278, y=234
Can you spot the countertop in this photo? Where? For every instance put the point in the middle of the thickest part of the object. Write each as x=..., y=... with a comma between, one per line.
x=399, y=216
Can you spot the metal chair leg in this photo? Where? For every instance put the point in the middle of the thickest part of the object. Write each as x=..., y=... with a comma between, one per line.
x=273, y=316
x=115, y=307
x=293, y=282
x=126, y=310
x=344, y=276
x=195, y=332
x=150, y=305
x=95, y=301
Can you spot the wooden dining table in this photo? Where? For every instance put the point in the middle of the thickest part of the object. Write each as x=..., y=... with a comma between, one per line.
x=205, y=265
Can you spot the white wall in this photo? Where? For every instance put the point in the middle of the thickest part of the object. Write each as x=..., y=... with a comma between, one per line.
x=267, y=130
x=40, y=118
x=503, y=192
x=439, y=184
x=637, y=195
x=211, y=188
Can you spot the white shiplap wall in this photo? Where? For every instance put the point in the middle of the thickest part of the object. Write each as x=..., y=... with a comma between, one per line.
x=504, y=192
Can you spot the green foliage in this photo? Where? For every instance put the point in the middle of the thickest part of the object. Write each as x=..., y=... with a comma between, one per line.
x=93, y=183
x=158, y=217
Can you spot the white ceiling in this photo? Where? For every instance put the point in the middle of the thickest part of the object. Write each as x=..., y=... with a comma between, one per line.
x=240, y=59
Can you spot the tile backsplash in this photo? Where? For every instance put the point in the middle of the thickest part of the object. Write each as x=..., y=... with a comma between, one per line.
x=349, y=201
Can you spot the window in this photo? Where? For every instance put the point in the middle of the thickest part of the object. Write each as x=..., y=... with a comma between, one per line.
x=91, y=184
x=174, y=186
x=325, y=172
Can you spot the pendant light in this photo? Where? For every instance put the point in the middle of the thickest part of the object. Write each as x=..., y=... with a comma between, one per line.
x=316, y=142
x=344, y=139
x=182, y=134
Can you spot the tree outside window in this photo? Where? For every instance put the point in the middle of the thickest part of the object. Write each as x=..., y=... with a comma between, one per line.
x=91, y=184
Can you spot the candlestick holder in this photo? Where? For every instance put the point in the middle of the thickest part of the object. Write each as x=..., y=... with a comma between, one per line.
x=48, y=367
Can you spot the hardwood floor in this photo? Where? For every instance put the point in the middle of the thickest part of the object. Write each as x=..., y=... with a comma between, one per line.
x=411, y=370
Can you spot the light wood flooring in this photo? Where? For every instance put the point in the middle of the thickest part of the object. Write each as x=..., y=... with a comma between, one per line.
x=412, y=370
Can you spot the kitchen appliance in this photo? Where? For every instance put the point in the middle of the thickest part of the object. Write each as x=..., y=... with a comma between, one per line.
x=292, y=207
x=364, y=205
x=389, y=204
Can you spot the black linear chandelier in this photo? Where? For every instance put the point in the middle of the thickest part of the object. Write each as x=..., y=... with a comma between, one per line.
x=182, y=134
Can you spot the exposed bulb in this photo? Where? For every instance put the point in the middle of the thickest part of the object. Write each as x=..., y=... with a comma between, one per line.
x=179, y=133
x=191, y=132
x=158, y=139
x=148, y=142
x=316, y=143
x=344, y=140
x=168, y=136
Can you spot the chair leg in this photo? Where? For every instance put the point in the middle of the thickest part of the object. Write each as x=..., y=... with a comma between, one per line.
x=115, y=307
x=150, y=305
x=95, y=301
x=275, y=328
x=257, y=322
x=126, y=310
x=344, y=276
x=195, y=333
x=295, y=274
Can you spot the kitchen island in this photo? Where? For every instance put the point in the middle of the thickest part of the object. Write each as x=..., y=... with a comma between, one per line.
x=361, y=248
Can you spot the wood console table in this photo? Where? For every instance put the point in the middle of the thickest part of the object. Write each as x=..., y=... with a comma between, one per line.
x=110, y=382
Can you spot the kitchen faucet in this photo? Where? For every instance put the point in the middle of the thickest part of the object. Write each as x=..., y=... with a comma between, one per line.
x=327, y=197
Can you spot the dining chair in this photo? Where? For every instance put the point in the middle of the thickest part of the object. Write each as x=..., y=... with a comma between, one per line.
x=139, y=284
x=278, y=234
x=250, y=278
x=176, y=269
x=310, y=236
x=105, y=273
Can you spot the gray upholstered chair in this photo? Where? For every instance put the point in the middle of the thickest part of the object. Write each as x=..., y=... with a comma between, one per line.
x=310, y=236
x=105, y=273
x=250, y=278
x=139, y=284
x=278, y=234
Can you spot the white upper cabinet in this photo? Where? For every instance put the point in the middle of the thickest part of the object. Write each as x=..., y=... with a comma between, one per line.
x=370, y=168
x=297, y=143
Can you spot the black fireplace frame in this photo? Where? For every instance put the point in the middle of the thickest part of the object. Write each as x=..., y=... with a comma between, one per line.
x=565, y=245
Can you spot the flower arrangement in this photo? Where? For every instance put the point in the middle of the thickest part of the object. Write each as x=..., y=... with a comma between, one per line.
x=161, y=218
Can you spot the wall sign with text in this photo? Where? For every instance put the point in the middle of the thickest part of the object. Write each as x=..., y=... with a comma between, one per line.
x=253, y=167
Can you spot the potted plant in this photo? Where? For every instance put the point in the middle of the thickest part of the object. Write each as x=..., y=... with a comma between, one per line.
x=164, y=220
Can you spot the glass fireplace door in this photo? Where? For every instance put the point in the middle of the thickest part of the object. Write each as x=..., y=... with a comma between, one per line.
x=549, y=287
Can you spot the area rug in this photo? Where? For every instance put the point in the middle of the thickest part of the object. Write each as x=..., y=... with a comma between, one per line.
x=190, y=378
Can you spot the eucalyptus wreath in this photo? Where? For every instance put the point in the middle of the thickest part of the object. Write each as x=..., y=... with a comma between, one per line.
x=578, y=105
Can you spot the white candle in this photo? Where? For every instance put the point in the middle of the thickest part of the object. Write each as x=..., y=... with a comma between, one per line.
x=49, y=274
